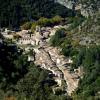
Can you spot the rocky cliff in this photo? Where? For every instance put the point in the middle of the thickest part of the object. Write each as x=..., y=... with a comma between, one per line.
x=87, y=8
x=67, y=3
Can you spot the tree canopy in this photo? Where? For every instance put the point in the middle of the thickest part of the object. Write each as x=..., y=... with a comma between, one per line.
x=15, y=12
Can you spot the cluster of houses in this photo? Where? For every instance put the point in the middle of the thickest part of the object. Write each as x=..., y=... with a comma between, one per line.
x=49, y=58
x=39, y=37
x=26, y=37
x=43, y=59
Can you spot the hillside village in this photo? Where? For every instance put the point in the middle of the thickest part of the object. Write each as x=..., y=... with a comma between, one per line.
x=46, y=56
x=50, y=50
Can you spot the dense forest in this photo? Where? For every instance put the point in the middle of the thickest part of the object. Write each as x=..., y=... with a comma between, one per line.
x=15, y=12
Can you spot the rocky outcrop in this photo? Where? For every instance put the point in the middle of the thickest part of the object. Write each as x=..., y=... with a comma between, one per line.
x=67, y=3
x=87, y=8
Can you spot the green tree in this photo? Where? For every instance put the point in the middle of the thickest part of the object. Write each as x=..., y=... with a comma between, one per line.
x=57, y=39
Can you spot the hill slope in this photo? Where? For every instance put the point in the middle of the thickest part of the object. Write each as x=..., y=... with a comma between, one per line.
x=14, y=12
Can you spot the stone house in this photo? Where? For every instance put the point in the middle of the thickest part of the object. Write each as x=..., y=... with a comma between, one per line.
x=26, y=38
x=59, y=74
x=25, y=41
x=31, y=58
x=59, y=81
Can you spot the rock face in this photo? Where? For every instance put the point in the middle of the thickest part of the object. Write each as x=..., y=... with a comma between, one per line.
x=67, y=3
x=87, y=8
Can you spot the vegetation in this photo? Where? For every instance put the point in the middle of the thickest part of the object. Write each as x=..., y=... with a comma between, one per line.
x=57, y=39
x=43, y=22
x=21, y=80
x=33, y=27
x=12, y=66
x=88, y=58
x=89, y=86
x=13, y=13
x=91, y=25
x=74, y=21
x=64, y=40
x=26, y=26
x=50, y=21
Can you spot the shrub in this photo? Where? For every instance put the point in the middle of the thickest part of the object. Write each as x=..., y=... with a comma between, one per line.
x=75, y=43
x=44, y=21
x=33, y=27
x=57, y=39
x=49, y=22
x=57, y=20
x=26, y=26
